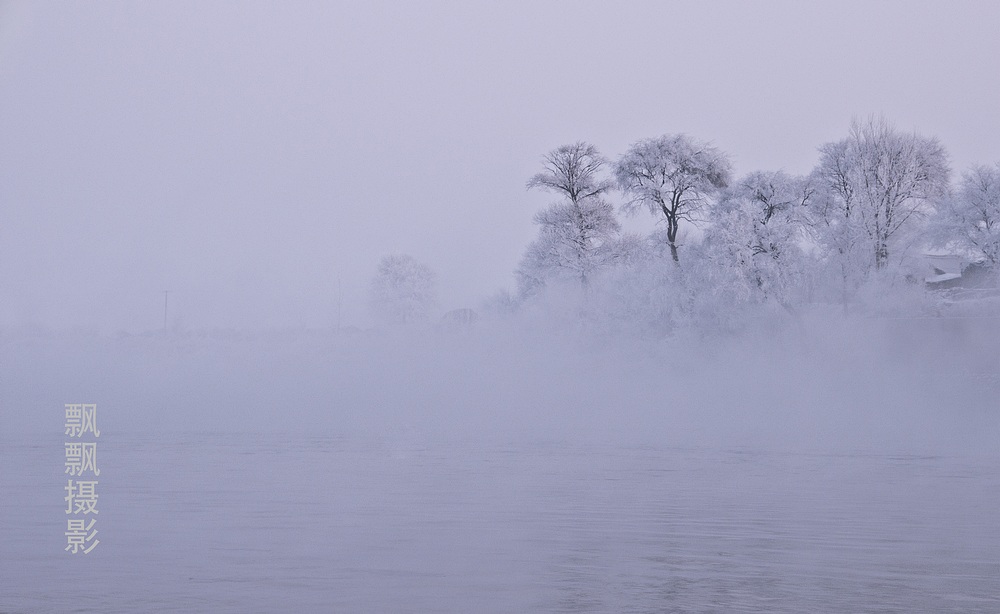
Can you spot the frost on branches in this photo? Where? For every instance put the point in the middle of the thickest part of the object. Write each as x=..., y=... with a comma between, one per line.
x=402, y=292
x=577, y=234
x=755, y=243
x=878, y=185
x=851, y=232
x=674, y=176
x=969, y=221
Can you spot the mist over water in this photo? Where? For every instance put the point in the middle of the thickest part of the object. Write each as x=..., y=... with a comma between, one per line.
x=359, y=344
x=815, y=384
x=821, y=465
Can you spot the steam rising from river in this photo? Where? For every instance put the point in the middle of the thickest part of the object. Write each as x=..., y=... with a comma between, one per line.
x=823, y=384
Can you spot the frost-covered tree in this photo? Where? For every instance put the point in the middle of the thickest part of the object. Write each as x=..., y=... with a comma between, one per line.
x=835, y=222
x=573, y=172
x=640, y=294
x=877, y=183
x=575, y=233
x=402, y=291
x=758, y=229
x=673, y=176
x=970, y=219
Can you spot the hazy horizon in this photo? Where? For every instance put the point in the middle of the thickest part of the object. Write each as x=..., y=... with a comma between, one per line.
x=256, y=160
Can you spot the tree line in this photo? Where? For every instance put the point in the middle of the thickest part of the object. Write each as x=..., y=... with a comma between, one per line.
x=857, y=226
x=875, y=202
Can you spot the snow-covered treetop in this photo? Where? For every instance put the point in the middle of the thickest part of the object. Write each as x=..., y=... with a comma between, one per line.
x=574, y=172
x=671, y=173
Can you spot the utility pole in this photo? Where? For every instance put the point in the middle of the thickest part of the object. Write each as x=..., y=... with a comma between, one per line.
x=166, y=294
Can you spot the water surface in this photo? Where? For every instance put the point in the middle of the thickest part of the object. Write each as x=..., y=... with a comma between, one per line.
x=261, y=523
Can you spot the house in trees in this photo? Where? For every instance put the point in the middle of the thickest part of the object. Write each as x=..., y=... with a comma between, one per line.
x=946, y=271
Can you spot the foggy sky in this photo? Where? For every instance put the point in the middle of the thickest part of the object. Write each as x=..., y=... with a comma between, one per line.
x=257, y=159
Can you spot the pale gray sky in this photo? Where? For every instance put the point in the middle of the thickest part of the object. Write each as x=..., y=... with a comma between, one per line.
x=247, y=156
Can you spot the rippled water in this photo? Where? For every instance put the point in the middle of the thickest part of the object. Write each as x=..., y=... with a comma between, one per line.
x=256, y=523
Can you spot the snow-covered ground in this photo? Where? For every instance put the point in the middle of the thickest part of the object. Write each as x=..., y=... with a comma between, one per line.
x=838, y=468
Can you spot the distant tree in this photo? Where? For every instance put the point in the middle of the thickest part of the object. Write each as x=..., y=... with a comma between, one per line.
x=574, y=172
x=877, y=184
x=402, y=291
x=672, y=175
x=757, y=232
x=576, y=231
x=970, y=220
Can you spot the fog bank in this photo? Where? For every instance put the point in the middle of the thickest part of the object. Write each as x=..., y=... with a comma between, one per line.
x=831, y=384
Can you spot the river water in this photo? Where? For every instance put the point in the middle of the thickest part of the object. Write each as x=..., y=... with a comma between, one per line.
x=296, y=523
